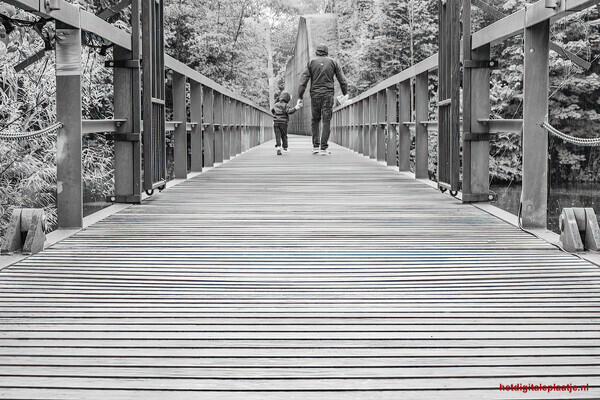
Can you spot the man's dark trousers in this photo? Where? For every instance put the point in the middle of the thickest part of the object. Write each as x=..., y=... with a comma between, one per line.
x=322, y=108
x=281, y=134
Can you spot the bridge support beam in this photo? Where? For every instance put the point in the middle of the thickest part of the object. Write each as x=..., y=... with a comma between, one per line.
x=196, y=117
x=535, y=137
x=209, y=128
x=421, y=133
x=180, y=134
x=68, y=112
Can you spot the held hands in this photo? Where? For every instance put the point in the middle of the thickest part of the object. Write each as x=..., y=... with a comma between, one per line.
x=342, y=99
x=298, y=104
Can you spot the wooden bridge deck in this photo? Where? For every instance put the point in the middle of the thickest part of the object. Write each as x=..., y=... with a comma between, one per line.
x=298, y=277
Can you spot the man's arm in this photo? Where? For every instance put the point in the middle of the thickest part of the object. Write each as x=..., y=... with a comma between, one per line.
x=339, y=74
x=304, y=81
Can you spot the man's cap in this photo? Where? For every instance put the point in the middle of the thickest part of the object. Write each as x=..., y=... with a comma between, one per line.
x=322, y=50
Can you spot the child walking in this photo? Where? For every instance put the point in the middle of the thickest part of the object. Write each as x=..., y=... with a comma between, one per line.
x=281, y=115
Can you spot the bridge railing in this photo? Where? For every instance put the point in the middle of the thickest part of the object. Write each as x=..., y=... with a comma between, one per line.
x=385, y=109
x=222, y=124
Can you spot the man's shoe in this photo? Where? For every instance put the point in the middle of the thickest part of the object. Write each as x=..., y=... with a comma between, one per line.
x=315, y=150
x=325, y=152
x=279, y=151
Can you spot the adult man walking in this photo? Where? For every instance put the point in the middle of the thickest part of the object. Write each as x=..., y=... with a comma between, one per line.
x=321, y=72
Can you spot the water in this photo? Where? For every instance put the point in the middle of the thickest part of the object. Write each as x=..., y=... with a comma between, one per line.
x=582, y=195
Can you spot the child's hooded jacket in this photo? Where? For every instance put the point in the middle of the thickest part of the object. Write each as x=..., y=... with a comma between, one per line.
x=281, y=110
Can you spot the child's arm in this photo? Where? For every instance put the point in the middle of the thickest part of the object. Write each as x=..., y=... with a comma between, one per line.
x=290, y=110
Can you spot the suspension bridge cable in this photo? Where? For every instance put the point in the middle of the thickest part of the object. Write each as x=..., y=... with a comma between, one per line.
x=31, y=135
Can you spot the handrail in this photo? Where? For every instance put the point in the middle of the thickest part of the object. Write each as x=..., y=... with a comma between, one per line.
x=78, y=18
x=498, y=31
x=360, y=125
x=222, y=124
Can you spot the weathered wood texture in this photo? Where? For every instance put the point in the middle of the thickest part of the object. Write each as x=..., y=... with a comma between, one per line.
x=298, y=277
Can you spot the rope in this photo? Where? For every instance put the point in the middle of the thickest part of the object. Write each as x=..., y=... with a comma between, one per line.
x=588, y=142
x=31, y=135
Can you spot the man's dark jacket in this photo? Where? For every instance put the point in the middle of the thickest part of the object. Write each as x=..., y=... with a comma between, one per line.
x=321, y=72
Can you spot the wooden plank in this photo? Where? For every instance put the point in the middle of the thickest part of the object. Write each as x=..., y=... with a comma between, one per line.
x=375, y=285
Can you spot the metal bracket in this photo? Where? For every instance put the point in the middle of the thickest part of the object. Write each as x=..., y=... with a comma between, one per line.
x=480, y=64
x=126, y=137
x=133, y=64
x=478, y=197
x=131, y=198
x=476, y=137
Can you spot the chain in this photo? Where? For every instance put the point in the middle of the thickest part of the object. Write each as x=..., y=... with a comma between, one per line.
x=31, y=135
x=588, y=142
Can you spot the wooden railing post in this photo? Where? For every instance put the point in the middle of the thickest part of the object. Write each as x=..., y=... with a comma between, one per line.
x=246, y=129
x=69, y=139
x=128, y=106
x=391, y=119
x=344, y=127
x=196, y=118
x=404, y=130
x=180, y=150
x=209, y=128
x=365, y=127
x=379, y=126
x=227, y=124
x=360, y=128
x=535, y=137
x=421, y=133
x=476, y=144
x=218, y=105
x=373, y=126
x=240, y=118
x=353, y=130
x=233, y=129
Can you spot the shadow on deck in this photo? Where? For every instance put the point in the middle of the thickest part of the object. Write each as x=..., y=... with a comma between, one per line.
x=299, y=276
